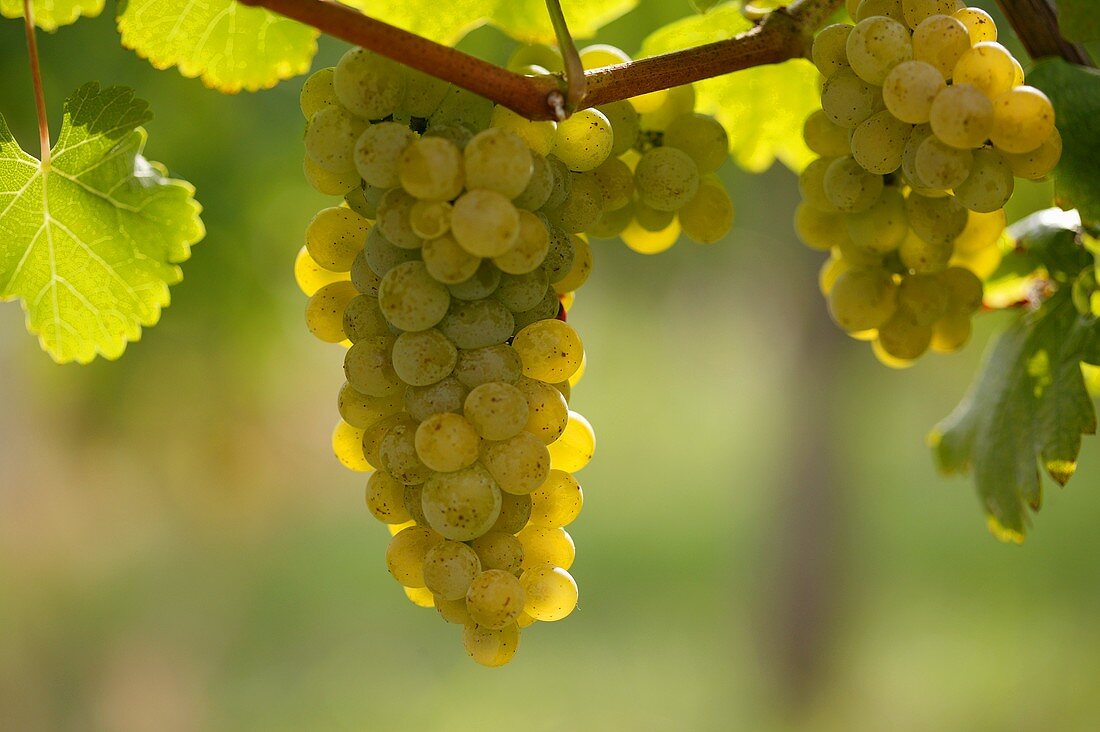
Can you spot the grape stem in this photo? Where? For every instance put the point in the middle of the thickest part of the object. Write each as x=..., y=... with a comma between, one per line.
x=1036, y=25
x=36, y=81
x=575, y=84
x=784, y=34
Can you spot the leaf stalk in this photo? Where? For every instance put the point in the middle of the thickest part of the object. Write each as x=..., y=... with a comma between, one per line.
x=36, y=81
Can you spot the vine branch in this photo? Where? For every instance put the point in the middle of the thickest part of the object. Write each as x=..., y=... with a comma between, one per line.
x=1036, y=25
x=784, y=34
x=36, y=81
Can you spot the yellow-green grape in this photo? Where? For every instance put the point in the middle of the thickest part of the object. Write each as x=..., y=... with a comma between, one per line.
x=361, y=410
x=447, y=442
x=347, y=444
x=964, y=289
x=430, y=219
x=982, y=263
x=951, y=332
x=447, y=262
x=498, y=160
x=325, y=310
x=449, y=568
x=819, y=229
x=923, y=256
x=519, y=464
x=327, y=182
x=849, y=187
x=811, y=185
x=584, y=140
x=548, y=412
x=443, y=396
x=385, y=497
x=989, y=185
x=372, y=437
x=547, y=309
x=539, y=187
x=563, y=182
x=364, y=199
x=582, y=267
x=405, y=554
x=924, y=297
x=987, y=67
x=522, y=292
x=680, y=100
x=485, y=223
x=666, y=178
x=1022, y=119
x=564, y=388
x=882, y=227
x=616, y=182
x=830, y=271
x=457, y=134
x=935, y=220
x=454, y=611
x=909, y=157
x=414, y=504
x=599, y=55
x=477, y=324
x=910, y=89
x=829, y=53
x=558, y=259
x=363, y=319
x=916, y=11
x=962, y=116
x=889, y=8
x=624, y=125
x=397, y=453
x=369, y=85
x=982, y=230
x=879, y=142
x=550, y=350
x=330, y=139
x=317, y=92
x=535, y=55
x=495, y=599
x=581, y=208
x=492, y=648
x=482, y=365
x=378, y=153
x=708, y=216
x=856, y=255
x=480, y=285
x=497, y=410
x=941, y=40
x=863, y=299
x=702, y=137
x=539, y=136
x=423, y=357
x=499, y=549
x=423, y=93
x=825, y=137
x=411, y=298
x=546, y=546
x=579, y=373
x=885, y=358
x=530, y=249
x=368, y=366
x=645, y=241
x=420, y=596
x=979, y=24
x=431, y=169
x=574, y=449
x=651, y=102
x=396, y=529
x=461, y=505
x=394, y=219
x=904, y=336
x=311, y=276
x=847, y=99
x=877, y=45
x=939, y=165
x=382, y=255
x=515, y=510
x=1036, y=164
x=550, y=593
x=334, y=236
x=524, y=620
x=557, y=502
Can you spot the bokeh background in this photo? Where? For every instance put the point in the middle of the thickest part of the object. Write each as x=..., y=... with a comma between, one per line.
x=765, y=543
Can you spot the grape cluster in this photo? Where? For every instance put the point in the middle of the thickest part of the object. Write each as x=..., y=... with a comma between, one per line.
x=446, y=273
x=925, y=122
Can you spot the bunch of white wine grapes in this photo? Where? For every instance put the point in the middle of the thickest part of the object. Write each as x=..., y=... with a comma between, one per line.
x=443, y=272
x=925, y=122
x=642, y=170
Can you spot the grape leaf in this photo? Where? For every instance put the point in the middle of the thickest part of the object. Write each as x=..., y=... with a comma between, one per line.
x=1075, y=93
x=1078, y=20
x=89, y=242
x=49, y=14
x=763, y=108
x=228, y=45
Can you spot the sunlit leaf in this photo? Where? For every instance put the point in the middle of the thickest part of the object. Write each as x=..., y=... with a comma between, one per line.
x=49, y=14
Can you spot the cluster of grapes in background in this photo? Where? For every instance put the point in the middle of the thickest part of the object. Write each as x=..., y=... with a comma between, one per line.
x=924, y=123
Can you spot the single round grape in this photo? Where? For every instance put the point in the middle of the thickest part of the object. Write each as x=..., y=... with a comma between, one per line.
x=847, y=99
x=890, y=8
x=862, y=299
x=448, y=262
x=498, y=160
x=563, y=181
x=423, y=93
x=386, y=497
x=666, y=178
x=477, y=324
x=480, y=285
x=493, y=363
x=909, y=156
x=382, y=255
x=330, y=139
x=962, y=116
x=548, y=412
x=647, y=241
x=369, y=85
x=454, y=611
x=423, y=357
x=461, y=505
x=485, y=223
x=879, y=142
x=924, y=257
x=495, y=598
x=624, y=125
x=924, y=297
x=397, y=451
x=522, y=292
x=431, y=169
x=708, y=216
x=576, y=446
x=983, y=230
x=325, y=310
x=599, y=55
x=849, y=187
x=550, y=350
x=811, y=185
x=1036, y=164
x=1022, y=119
x=941, y=40
x=830, y=271
x=373, y=436
x=497, y=410
x=378, y=153
x=363, y=319
x=579, y=273
x=317, y=92
x=539, y=187
x=394, y=221
x=979, y=24
x=936, y=220
x=456, y=134
x=364, y=199
x=519, y=464
x=546, y=546
x=430, y=219
x=829, y=51
x=818, y=229
x=449, y=569
x=616, y=181
x=951, y=332
x=535, y=55
x=446, y=395
x=964, y=289
x=550, y=593
x=420, y=596
x=362, y=410
x=904, y=337
x=499, y=549
x=547, y=309
x=529, y=251
x=447, y=442
x=987, y=67
x=916, y=11
x=514, y=513
x=989, y=185
x=347, y=445
x=910, y=89
x=327, y=182
x=405, y=554
x=939, y=165
x=311, y=276
x=877, y=45
x=702, y=137
x=825, y=137
x=882, y=227
x=678, y=101
x=538, y=136
x=582, y=207
x=584, y=140
x=490, y=647
x=557, y=502
x=411, y=298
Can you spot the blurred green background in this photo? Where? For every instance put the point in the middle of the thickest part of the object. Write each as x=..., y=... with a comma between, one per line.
x=765, y=543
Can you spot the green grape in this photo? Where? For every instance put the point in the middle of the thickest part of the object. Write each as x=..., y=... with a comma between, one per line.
x=431, y=169
x=939, y=165
x=420, y=596
x=364, y=200
x=461, y=505
x=455, y=134
x=519, y=464
x=584, y=140
x=378, y=152
x=547, y=410
x=1036, y=164
x=446, y=395
x=647, y=241
x=482, y=284
x=317, y=93
x=447, y=262
x=924, y=297
x=811, y=185
x=612, y=223
x=386, y=497
x=454, y=611
x=369, y=85
x=430, y=219
x=909, y=157
x=916, y=11
x=330, y=139
x=962, y=116
x=978, y=23
x=936, y=220
x=702, y=137
x=492, y=363
x=530, y=249
x=539, y=187
x=910, y=89
x=582, y=207
x=547, y=309
x=847, y=99
x=311, y=276
x=987, y=67
x=883, y=227
x=579, y=273
x=863, y=299
x=381, y=255
x=423, y=93
x=878, y=143
x=877, y=45
x=983, y=230
x=522, y=292
x=924, y=257
x=708, y=216
x=666, y=178
x=546, y=546
x=325, y=310
x=559, y=255
x=830, y=271
x=941, y=40
x=495, y=599
x=347, y=445
x=335, y=236
x=829, y=52
x=406, y=552
x=498, y=160
x=1022, y=119
x=485, y=223
x=449, y=568
x=328, y=183
x=411, y=299
x=361, y=410
x=490, y=647
x=825, y=137
x=964, y=289
x=538, y=54
x=858, y=256
x=550, y=593
x=550, y=350
x=372, y=440
x=678, y=100
x=819, y=229
x=394, y=219
x=557, y=502
x=397, y=452
x=363, y=319
x=600, y=55
x=423, y=357
x=989, y=185
x=624, y=123
x=563, y=182
x=499, y=549
x=574, y=449
x=849, y=187
x=514, y=512
x=477, y=324
x=616, y=182
x=496, y=409
x=951, y=332
x=539, y=136
x=904, y=337
x=889, y=8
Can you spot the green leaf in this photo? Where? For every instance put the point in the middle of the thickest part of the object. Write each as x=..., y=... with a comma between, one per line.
x=49, y=14
x=1078, y=20
x=228, y=45
x=524, y=20
x=89, y=241
x=1075, y=92
x=763, y=108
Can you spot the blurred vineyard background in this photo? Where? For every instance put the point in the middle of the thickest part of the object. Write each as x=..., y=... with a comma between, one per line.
x=765, y=543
